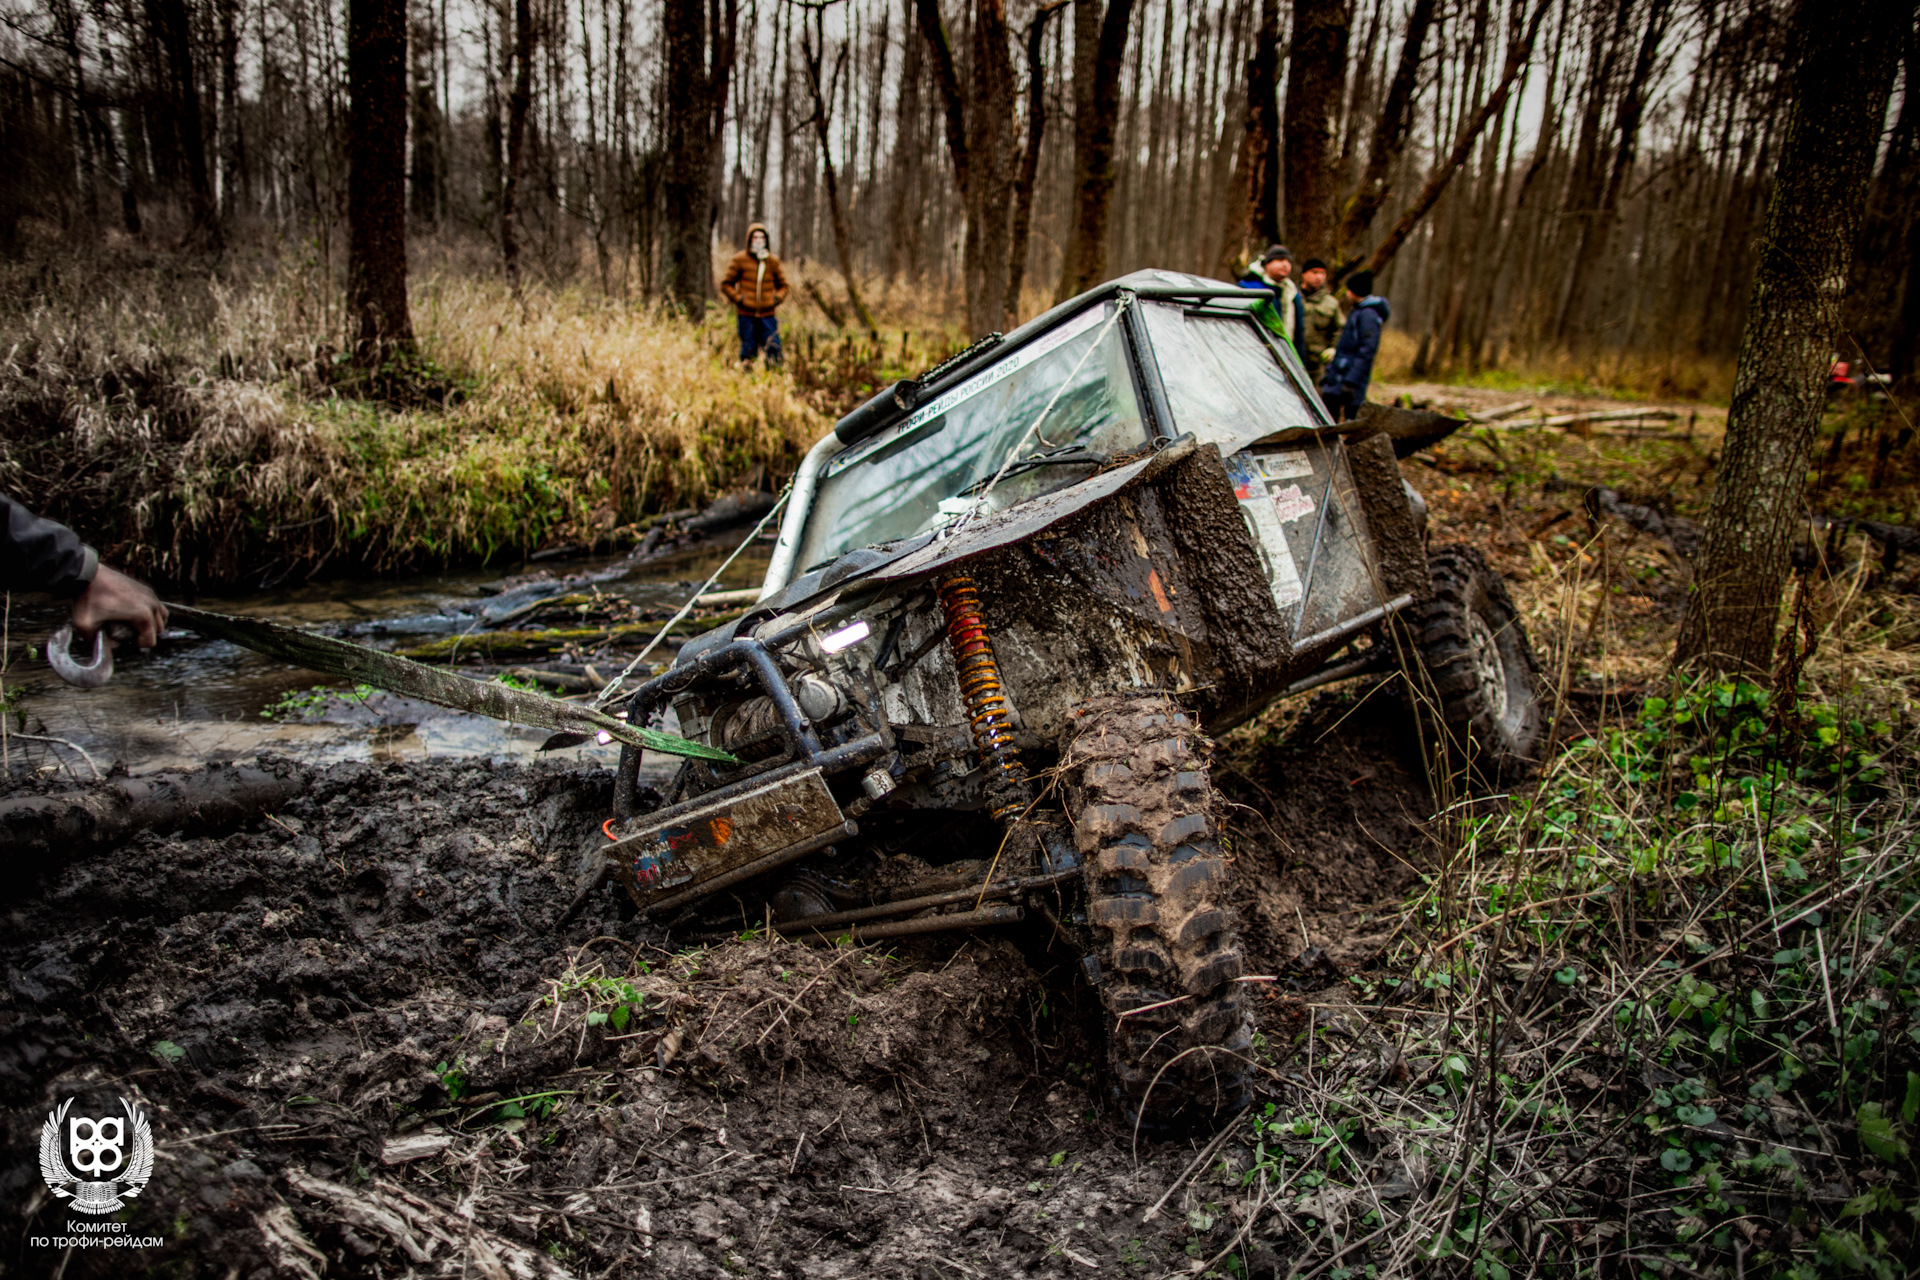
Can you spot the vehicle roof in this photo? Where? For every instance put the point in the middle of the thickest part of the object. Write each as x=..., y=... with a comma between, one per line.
x=1147, y=283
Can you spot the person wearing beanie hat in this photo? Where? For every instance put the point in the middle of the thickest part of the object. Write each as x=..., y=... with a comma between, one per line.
x=1344, y=386
x=1286, y=318
x=756, y=286
x=1320, y=305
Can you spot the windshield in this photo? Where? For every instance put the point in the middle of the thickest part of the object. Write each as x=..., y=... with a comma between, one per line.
x=914, y=476
x=1224, y=382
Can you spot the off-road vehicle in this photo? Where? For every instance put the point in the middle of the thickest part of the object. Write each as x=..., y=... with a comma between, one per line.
x=1008, y=603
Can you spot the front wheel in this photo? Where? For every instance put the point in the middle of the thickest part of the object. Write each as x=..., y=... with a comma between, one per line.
x=1167, y=953
x=1481, y=670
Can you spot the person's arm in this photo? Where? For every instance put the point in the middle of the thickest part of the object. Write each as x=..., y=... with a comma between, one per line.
x=1300, y=325
x=44, y=555
x=779, y=280
x=730, y=282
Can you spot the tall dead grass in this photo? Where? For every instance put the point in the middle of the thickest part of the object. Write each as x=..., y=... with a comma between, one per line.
x=198, y=427
x=1627, y=375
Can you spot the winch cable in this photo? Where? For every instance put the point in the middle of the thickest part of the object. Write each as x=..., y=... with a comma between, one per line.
x=605, y=695
x=1120, y=306
x=431, y=684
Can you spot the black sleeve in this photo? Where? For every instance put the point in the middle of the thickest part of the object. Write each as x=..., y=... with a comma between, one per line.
x=41, y=555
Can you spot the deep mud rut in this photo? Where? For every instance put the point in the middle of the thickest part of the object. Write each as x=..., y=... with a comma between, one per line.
x=368, y=1051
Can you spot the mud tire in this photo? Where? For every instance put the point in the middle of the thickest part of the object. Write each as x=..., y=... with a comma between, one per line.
x=1158, y=891
x=1481, y=672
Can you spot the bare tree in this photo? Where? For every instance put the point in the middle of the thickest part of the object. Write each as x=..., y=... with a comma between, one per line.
x=377, y=179
x=837, y=210
x=1085, y=261
x=1316, y=78
x=1843, y=81
x=519, y=102
x=1023, y=185
x=699, y=48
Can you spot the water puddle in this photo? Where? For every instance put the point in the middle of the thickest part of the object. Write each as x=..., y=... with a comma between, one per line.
x=195, y=700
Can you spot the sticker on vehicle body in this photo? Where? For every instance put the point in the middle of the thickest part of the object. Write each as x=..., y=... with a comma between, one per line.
x=1269, y=536
x=1287, y=464
x=1291, y=504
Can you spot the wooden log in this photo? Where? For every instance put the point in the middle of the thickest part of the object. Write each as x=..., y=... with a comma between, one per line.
x=1585, y=419
x=218, y=798
x=1501, y=414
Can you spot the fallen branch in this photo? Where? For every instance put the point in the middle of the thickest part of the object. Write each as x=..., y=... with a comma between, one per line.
x=58, y=742
x=216, y=799
x=1501, y=414
x=420, y=1228
x=1589, y=419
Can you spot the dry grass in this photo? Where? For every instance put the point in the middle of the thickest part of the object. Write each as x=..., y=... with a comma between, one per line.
x=201, y=428
x=1625, y=375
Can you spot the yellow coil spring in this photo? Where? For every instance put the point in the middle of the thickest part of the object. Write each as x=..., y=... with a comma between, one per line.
x=980, y=687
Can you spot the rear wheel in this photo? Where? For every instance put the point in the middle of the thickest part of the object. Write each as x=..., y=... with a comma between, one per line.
x=1484, y=676
x=1167, y=952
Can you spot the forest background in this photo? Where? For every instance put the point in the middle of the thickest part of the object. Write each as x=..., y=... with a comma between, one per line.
x=1570, y=189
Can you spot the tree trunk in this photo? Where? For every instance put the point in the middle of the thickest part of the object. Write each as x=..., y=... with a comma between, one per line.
x=1842, y=84
x=684, y=267
x=519, y=102
x=1029, y=158
x=172, y=27
x=1085, y=263
x=946, y=77
x=1316, y=77
x=429, y=175
x=1263, y=130
x=232, y=148
x=377, y=179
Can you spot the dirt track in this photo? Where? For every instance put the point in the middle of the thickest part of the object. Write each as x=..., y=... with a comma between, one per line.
x=375, y=972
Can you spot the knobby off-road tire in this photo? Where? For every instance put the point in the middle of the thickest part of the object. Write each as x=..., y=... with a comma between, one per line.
x=1157, y=901
x=1482, y=673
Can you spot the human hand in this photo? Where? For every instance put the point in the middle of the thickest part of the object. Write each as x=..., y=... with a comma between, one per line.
x=114, y=597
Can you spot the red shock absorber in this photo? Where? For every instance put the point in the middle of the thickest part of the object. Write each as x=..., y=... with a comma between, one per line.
x=984, y=696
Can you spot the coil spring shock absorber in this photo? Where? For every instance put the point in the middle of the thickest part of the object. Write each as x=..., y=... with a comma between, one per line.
x=984, y=696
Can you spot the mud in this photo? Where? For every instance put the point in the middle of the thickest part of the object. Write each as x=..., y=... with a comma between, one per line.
x=367, y=1051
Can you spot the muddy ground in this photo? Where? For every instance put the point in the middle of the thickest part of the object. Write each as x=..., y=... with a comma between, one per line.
x=368, y=1051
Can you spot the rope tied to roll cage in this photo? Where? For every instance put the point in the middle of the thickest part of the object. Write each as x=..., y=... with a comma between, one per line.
x=606, y=695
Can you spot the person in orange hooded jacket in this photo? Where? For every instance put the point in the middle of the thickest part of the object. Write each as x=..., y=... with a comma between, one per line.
x=756, y=287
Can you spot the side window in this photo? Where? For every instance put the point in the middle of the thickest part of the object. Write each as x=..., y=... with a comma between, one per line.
x=1223, y=382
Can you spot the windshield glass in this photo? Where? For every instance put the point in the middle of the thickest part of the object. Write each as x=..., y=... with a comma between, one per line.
x=914, y=476
x=1224, y=382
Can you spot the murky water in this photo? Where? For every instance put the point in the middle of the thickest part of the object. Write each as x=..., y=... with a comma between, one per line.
x=194, y=700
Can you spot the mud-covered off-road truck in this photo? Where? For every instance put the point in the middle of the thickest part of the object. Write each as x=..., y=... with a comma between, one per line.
x=1008, y=603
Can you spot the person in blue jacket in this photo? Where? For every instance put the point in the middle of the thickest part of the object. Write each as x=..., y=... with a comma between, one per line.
x=1344, y=387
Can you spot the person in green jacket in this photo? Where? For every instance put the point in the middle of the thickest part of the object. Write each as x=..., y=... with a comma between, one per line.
x=1284, y=316
x=1323, y=317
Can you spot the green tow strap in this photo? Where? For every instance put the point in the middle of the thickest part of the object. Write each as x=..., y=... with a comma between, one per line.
x=430, y=684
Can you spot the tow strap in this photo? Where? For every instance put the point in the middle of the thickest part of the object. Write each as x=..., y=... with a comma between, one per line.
x=431, y=684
